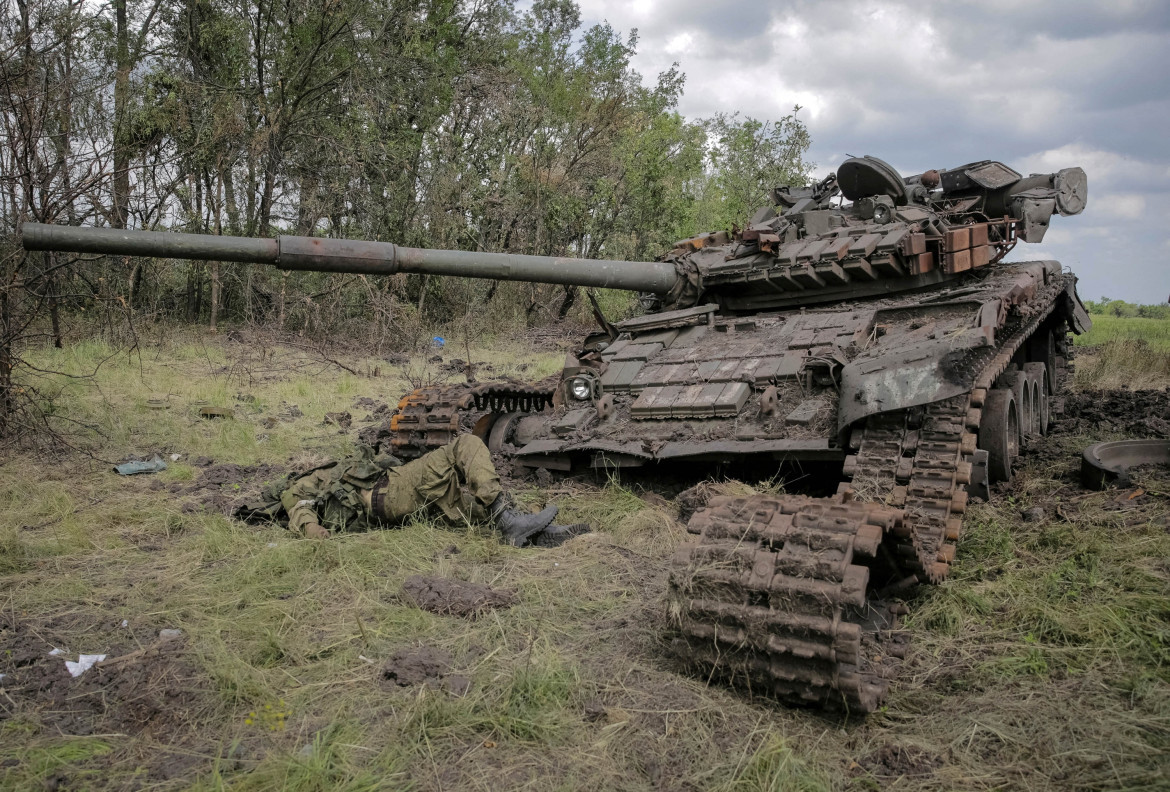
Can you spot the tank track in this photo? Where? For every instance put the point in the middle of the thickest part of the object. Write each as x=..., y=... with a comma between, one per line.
x=428, y=418
x=770, y=597
x=773, y=594
x=919, y=461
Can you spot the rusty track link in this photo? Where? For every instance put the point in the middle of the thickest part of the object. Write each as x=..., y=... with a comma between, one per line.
x=919, y=460
x=428, y=418
x=771, y=595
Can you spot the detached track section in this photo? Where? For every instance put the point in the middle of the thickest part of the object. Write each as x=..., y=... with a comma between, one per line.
x=429, y=418
x=919, y=460
x=771, y=597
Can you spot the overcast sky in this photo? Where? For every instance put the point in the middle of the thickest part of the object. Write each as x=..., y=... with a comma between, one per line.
x=1038, y=84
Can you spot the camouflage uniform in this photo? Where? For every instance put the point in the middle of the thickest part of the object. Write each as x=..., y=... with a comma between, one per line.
x=336, y=495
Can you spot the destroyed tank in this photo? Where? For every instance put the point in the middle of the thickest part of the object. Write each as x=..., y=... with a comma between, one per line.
x=866, y=327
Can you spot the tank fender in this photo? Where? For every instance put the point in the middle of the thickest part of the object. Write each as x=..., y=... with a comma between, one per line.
x=907, y=376
x=1074, y=309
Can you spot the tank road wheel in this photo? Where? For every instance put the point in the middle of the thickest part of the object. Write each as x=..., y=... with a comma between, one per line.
x=501, y=431
x=1027, y=394
x=1017, y=383
x=999, y=432
x=1042, y=349
x=1039, y=374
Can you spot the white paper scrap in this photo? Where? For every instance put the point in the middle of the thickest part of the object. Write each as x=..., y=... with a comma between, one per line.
x=83, y=664
x=55, y=652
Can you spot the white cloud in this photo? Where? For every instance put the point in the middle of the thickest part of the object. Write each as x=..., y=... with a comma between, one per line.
x=1121, y=206
x=680, y=43
x=1106, y=167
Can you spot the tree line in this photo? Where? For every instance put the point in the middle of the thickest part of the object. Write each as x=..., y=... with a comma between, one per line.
x=1123, y=309
x=466, y=124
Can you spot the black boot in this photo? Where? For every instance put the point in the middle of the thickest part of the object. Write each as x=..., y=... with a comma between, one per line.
x=518, y=526
x=557, y=535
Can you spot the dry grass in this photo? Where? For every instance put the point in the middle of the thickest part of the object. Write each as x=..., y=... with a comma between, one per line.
x=1124, y=352
x=1041, y=665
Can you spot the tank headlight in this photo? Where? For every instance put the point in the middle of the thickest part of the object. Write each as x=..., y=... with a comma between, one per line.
x=580, y=388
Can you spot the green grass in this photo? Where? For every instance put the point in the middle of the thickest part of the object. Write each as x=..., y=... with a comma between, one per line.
x=1124, y=352
x=1154, y=332
x=1041, y=665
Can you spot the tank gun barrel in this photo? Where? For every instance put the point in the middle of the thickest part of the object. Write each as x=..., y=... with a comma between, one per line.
x=354, y=256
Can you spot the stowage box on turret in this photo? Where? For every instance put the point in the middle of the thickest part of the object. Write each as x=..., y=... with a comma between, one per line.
x=868, y=323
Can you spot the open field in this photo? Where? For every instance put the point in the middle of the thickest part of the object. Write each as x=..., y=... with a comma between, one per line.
x=1041, y=665
x=1106, y=328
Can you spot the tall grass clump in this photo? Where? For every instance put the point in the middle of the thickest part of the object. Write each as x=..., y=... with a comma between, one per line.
x=1123, y=363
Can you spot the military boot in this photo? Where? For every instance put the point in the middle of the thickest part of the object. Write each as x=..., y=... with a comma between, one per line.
x=515, y=525
x=557, y=535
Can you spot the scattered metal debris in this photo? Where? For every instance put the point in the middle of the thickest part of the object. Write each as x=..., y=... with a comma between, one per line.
x=134, y=467
x=1108, y=463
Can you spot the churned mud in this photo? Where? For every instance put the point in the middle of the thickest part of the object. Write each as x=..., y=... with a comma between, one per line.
x=222, y=488
x=417, y=666
x=455, y=597
x=425, y=665
x=1135, y=413
x=145, y=690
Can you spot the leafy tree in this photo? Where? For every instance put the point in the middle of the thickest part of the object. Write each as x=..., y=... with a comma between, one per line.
x=468, y=124
x=746, y=159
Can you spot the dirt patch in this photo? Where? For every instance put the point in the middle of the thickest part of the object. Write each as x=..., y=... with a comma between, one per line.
x=891, y=762
x=422, y=665
x=1136, y=413
x=341, y=419
x=375, y=435
x=455, y=597
x=149, y=691
x=425, y=665
x=223, y=488
x=133, y=690
x=379, y=410
x=219, y=475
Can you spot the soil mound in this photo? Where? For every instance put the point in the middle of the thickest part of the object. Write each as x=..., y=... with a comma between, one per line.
x=891, y=762
x=455, y=597
x=417, y=666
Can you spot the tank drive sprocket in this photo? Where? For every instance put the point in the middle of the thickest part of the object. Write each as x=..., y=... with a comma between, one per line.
x=428, y=418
